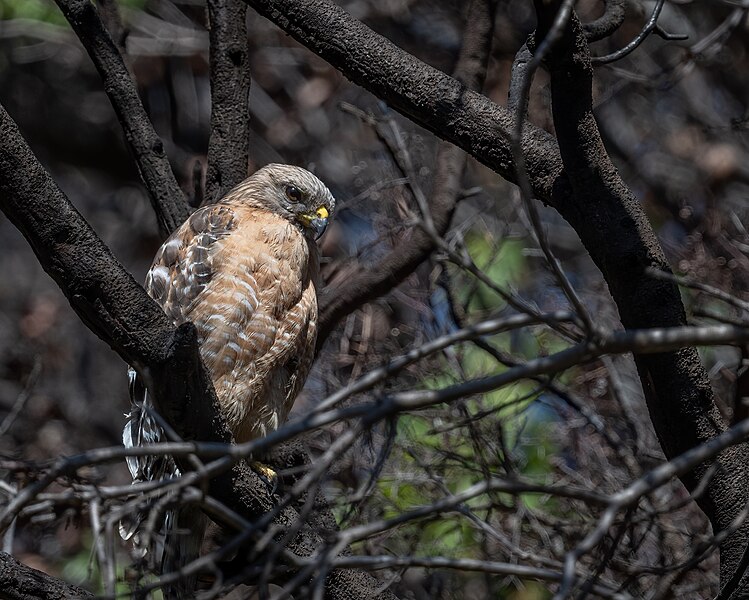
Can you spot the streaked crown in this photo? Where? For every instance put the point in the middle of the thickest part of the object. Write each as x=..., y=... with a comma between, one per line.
x=292, y=192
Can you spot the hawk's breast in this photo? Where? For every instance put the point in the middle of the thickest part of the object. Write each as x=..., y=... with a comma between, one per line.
x=246, y=278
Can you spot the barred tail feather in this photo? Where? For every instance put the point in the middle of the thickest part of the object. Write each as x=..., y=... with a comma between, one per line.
x=177, y=538
x=141, y=429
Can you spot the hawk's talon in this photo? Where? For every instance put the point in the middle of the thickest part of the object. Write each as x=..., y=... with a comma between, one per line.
x=267, y=474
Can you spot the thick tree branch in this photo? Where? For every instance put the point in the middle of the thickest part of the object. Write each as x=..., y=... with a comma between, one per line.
x=153, y=164
x=228, y=147
x=103, y=294
x=19, y=582
x=416, y=245
x=119, y=311
x=474, y=123
x=598, y=204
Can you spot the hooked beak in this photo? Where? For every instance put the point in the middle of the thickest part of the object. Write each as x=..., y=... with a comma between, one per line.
x=317, y=222
x=318, y=226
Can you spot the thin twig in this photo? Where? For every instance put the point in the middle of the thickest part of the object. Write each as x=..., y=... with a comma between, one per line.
x=521, y=106
x=22, y=397
x=649, y=27
x=644, y=485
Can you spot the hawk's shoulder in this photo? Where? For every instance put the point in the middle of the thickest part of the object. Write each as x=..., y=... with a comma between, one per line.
x=184, y=265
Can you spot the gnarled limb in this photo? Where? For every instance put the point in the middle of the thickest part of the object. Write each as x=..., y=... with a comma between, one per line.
x=432, y=99
x=20, y=582
x=610, y=223
x=598, y=204
x=611, y=19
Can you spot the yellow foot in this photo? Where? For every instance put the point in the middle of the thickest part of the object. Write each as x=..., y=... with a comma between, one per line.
x=268, y=475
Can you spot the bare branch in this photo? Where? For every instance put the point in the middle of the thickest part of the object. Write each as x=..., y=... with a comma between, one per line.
x=437, y=102
x=228, y=147
x=466, y=564
x=678, y=393
x=526, y=72
x=649, y=27
x=110, y=15
x=517, y=96
x=646, y=484
x=19, y=582
x=102, y=292
x=119, y=311
x=148, y=150
x=698, y=285
x=611, y=19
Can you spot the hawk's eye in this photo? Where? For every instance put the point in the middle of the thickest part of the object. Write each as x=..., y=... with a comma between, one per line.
x=293, y=193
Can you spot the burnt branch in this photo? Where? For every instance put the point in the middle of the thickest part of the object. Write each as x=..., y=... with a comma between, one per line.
x=110, y=15
x=417, y=244
x=19, y=582
x=103, y=294
x=228, y=147
x=517, y=94
x=611, y=19
x=100, y=290
x=650, y=26
x=434, y=100
x=471, y=121
x=590, y=196
x=165, y=194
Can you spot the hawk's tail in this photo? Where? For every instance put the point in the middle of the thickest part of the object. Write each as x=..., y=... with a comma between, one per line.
x=143, y=429
x=177, y=536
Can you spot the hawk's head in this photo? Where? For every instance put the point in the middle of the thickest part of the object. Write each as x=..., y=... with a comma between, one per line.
x=292, y=192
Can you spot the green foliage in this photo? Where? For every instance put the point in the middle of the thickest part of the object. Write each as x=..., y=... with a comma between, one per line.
x=441, y=439
x=504, y=264
x=45, y=11
x=528, y=590
x=77, y=569
x=82, y=569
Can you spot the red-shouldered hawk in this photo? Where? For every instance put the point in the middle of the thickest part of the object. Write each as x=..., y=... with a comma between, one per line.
x=245, y=272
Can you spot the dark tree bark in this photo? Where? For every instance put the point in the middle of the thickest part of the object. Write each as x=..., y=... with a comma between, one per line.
x=19, y=582
x=148, y=150
x=229, y=144
x=429, y=97
x=372, y=281
x=573, y=174
x=593, y=198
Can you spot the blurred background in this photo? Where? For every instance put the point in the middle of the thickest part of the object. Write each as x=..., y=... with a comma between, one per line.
x=674, y=117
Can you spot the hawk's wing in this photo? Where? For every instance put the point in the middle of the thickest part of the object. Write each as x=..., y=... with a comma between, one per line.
x=181, y=270
x=185, y=263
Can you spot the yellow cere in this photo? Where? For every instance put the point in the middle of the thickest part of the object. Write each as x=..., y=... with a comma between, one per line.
x=322, y=212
